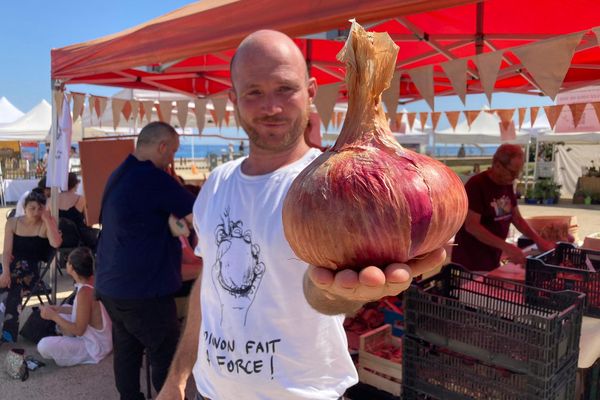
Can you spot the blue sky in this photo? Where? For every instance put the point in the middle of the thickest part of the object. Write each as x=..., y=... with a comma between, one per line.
x=30, y=28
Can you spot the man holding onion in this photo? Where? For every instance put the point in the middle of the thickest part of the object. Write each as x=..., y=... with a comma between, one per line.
x=261, y=323
x=481, y=241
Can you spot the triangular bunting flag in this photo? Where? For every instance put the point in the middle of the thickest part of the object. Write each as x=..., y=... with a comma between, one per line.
x=506, y=117
x=533, y=113
x=456, y=71
x=340, y=119
x=522, y=112
x=397, y=123
x=488, y=66
x=100, y=104
x=596, y=106
x=117, y=106
x=471, y=116
x=200, y=113
x=148, y=105
x=422, y=78
x=69, y=97
x=423, y=119
x=182, y=113
x=390, y=96
x=142, y=112
x=58, y=100
x=548, y=61
x=220, y=106
x=507, y=133
x=235, y=119
x=78, y=100
x=126, y=110
x=553, y=112
x=410, y=117
x=435, y=118
x=325, y=100
x=577, y=111
x=227, y=114
x=453, y=118
x=165, y=108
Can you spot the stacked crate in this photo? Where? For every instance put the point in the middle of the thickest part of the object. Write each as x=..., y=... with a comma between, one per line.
x=472, y=337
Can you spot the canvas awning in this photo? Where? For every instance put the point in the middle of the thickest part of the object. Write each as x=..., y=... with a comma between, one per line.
x=189, y=50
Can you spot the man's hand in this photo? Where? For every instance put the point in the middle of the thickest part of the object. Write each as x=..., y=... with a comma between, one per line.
x=171, y=392
x=372, y=283
x=514, y=254
x=544, y=245
x=5, y=280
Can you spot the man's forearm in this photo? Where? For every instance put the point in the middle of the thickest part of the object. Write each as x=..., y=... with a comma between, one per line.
x=187, y=349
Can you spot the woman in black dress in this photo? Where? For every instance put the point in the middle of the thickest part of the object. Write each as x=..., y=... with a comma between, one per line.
x=27, y=242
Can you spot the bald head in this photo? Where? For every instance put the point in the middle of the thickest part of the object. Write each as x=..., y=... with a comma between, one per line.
x=266, y=45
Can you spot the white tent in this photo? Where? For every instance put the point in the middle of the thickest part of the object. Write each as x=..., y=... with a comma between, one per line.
x=33, y=126
x=8, y=112
x=485, y=129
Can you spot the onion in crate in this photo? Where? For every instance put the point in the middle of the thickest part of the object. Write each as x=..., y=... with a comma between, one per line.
x=367, y=200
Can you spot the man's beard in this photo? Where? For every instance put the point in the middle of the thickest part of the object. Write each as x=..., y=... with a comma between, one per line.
x=288, y=140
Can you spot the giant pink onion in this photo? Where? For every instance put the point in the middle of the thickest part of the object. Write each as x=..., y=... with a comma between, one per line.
x=367, y=200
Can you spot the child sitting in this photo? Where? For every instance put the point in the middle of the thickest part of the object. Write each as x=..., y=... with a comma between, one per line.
x=86, y=325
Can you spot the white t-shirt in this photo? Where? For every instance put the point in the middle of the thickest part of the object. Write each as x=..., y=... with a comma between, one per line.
x=259, y=338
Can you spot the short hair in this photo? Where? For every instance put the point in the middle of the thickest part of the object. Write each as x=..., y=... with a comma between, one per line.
x=82, y=261
x=72, y=181
x=507, y=152
x=36, y=196
x=154, y=132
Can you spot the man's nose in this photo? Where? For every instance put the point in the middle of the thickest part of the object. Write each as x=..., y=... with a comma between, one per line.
x=271, y=105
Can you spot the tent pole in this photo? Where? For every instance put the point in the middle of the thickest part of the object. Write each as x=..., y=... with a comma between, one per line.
x=527, y=166
x=54, y=86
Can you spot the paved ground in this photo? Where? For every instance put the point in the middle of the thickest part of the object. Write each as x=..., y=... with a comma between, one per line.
x=96, y=381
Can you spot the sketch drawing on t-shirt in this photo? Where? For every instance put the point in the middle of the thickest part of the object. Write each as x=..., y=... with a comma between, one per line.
x=502, y=207
x=238, y=270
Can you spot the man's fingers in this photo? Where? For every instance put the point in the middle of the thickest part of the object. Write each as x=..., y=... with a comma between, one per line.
x=321, y=277
x=430, y=261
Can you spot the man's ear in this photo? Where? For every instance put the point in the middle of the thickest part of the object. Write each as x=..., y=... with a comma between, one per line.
x=232, y=96
x=312, y=89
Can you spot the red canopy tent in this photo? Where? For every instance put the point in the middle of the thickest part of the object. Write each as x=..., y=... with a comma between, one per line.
x=189, y=50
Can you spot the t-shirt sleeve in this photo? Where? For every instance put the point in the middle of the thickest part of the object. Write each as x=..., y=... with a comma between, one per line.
x=175, y=199
x=474, y=191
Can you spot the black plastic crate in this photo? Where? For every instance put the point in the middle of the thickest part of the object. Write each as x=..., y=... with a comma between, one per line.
x=524, y=329
x=431, y=372
x=568, y=268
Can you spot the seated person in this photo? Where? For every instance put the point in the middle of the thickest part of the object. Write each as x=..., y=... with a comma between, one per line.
x=86, y=326
x=41, y=188
x=71, y=206
x=27, y=243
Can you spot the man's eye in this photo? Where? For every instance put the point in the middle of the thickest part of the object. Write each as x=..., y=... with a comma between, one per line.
x=253, y=93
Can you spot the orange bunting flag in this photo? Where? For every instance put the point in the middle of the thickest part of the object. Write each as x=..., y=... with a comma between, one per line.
x=148, y=105
x=435, y=118
x=325, y=100
x=398, y=124
x=100, y=106
x=200, y=114
x=220, y=106
x=521, y=116
x=410, y=117
x=423, y=119
x=126, y=110
x=577, y=111
x=488, y=66
x=453, y=118
x=471, y=116
x=58, y=100
x=553, y=112
x=135, y=109
x=506, y=117
x=78, y=101
x=390, y=96
x=533, y=113
x=596, y=106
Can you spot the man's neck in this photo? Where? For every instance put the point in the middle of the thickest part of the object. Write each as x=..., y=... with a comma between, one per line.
x=260, y=162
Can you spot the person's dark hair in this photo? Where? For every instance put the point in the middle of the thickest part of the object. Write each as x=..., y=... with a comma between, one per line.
x=36, y=196
x=506, y=152
x=82, y=261
x=72, y=181
x=154, y=132
x=42, y=182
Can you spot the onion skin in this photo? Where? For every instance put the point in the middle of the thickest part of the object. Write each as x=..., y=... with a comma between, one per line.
x=367, y=200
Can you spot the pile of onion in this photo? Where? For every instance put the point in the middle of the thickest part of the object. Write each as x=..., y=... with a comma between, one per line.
x=367, y=200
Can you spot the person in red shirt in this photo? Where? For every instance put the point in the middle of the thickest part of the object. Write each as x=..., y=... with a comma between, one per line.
x=492, y=208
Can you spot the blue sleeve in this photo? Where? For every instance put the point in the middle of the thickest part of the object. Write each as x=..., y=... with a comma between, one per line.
x=175, y=199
